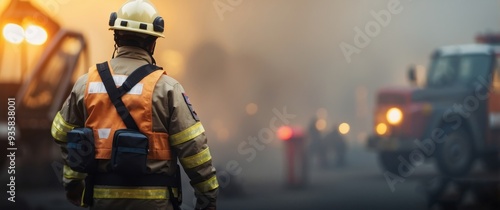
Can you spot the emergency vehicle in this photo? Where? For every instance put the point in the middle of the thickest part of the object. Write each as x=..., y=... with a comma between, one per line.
x=454, y=118
x=39, y=63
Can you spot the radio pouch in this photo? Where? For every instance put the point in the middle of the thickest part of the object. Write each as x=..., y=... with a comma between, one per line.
x=129, y=153
x=81, y=150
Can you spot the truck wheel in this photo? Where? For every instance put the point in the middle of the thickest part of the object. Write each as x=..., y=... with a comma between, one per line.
x=491, y=161
x=389, y=161
x=455, y=156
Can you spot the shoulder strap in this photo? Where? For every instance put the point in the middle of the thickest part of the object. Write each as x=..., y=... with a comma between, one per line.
x=115, y=93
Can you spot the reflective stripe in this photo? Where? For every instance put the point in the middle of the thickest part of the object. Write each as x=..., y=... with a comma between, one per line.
x=82, y=199
x=210, y=184
x=70, y=174
x=121, y=193
x=188, y=134
x=103, y=133
x=196, y=160
x=60, y=128
x=98, y=87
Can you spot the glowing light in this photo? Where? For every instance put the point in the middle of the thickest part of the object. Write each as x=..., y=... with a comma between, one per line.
x=251, y=108
x=321, y=124
x=35, y=35
x=344, y=128
x=285, y=133
x=394, y=116
x=13, y=33
x=381, y=129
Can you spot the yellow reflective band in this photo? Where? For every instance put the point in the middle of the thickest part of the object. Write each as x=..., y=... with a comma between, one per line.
x=196, y=160
x=82, y=203
x=60, y=128
x=68, y=173
x=186, y=135
x=210, y=184
x=58, y=135
x=113, y=193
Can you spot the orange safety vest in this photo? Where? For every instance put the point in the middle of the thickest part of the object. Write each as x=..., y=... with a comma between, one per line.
x=104, y=120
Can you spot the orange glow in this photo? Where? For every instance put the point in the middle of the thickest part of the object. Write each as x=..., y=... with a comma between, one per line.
x=285, y=133
x=251, y=108
x=321, y=124
x=381, y=129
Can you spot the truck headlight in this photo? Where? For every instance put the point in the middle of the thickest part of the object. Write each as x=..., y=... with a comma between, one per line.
x=394, y=116
x=381, y=129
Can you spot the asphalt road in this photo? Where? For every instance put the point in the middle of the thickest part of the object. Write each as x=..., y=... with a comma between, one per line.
x=359, y=185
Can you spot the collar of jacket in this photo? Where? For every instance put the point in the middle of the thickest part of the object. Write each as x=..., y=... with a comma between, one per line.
x=133, y=53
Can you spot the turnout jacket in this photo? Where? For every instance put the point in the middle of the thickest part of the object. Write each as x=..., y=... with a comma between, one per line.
x=170, y=122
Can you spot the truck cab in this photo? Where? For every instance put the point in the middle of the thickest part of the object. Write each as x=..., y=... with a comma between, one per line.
x=454, y=118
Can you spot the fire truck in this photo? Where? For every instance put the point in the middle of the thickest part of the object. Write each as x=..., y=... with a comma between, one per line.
x=39, y=63
x=453, y=119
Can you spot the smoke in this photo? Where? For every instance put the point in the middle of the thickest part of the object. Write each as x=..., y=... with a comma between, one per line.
x=286, y=53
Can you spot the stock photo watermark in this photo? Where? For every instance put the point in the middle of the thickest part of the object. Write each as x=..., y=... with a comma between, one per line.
x=247, y=149
x=11, y=149
x=223, y=6
x=363, y=36
x=254, y=144
x=426, y=148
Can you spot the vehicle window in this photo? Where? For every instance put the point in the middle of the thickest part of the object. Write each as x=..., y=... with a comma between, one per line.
x=471, y=67
x=443, y=71
x=461, y=70
x=42, y=90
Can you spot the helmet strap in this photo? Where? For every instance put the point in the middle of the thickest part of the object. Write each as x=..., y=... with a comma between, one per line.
x=114, y=51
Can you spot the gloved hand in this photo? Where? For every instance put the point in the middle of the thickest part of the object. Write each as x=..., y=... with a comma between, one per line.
x=74, y=192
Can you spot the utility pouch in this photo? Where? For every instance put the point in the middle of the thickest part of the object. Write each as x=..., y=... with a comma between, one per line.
x=129, y=153
x=81, y=150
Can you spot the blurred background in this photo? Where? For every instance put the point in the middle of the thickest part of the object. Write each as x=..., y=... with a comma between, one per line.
x=248, y=67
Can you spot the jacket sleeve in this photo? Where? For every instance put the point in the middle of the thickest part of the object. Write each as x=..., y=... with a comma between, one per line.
x=189, y=143
x=69, y=117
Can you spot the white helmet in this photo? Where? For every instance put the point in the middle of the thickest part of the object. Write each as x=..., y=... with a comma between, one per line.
x=138, y=16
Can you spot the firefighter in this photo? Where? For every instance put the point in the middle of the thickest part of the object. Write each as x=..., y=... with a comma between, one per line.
x=316, y=146
x=336, y=141
x=162, y=113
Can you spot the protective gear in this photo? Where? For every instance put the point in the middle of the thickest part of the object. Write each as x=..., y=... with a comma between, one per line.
x=138, y=101
x=167, y=112
x=138, y=16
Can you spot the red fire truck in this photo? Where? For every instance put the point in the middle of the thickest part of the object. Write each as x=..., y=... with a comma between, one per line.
x=453, y=119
